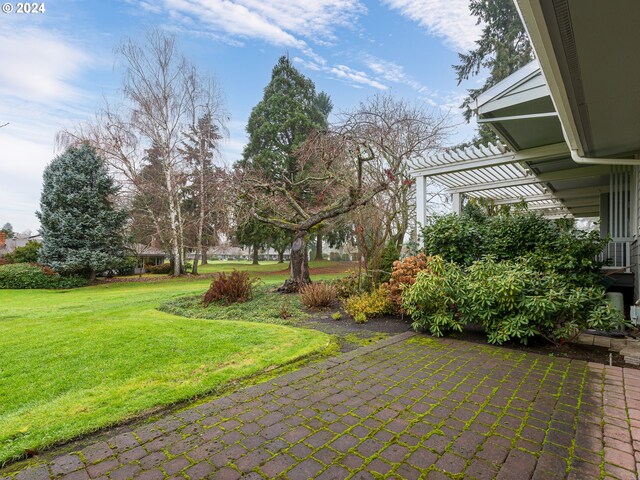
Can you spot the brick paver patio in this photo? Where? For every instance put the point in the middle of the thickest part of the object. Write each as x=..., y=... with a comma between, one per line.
x=407, y=407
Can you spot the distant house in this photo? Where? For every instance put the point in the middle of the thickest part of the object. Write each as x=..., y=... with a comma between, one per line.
x=8, y=245
x=229, y=252
x=148, y=255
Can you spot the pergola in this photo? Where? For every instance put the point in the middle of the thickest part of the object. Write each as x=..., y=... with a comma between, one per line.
x=534, y=165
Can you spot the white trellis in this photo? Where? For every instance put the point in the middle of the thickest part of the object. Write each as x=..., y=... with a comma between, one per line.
x=493, y=172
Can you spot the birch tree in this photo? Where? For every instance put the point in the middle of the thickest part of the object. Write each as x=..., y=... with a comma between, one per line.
x=164, y=97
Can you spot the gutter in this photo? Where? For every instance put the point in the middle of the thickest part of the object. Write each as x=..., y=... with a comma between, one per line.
x=575, y=156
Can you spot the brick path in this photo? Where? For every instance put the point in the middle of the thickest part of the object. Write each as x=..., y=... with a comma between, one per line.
x=407, y=407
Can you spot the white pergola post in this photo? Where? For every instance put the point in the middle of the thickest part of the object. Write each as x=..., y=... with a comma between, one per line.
x=421, y=208
x=457, y=203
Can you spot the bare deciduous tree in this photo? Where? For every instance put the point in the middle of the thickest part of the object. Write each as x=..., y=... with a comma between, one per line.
x=165, y=96
x=341, y=170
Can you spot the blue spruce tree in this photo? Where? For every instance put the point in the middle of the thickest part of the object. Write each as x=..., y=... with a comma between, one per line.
x=82, y=230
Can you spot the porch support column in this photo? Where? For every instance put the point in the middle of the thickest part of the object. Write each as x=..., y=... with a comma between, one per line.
x=421, y=208
x=457, y=203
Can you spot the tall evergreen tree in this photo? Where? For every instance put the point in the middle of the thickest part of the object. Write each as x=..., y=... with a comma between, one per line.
x=82, y=229
x=288, y=112
x=198, y=148
x=503, y=48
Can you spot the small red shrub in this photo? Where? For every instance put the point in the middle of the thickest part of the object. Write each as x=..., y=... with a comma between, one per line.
x=404, y=273
x=237, y=287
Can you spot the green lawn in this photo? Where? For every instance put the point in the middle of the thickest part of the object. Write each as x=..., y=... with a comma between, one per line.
x=264, y=266
x=74, y=361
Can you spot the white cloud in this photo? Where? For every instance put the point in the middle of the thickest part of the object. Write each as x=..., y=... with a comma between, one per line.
x=38, y=96
x=308, y=64
x=449, y=19
x=278, y=22
x=347, y=73
x=353, y=77
x=392, y=72
x=39, y=66
x=21, y=166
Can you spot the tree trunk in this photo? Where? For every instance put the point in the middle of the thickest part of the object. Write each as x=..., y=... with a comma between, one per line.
x=280, y=256
x=91, y=276
x=299, y=264
x=319, y=246
x=255, y=254
x=173, y=217
x=201, y=216
x=194, y=269
x=203, y=255
x=183, y=250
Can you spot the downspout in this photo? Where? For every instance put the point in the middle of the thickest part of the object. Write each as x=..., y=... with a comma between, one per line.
x=575, y=156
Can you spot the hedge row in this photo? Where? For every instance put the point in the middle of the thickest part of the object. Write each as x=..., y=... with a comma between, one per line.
x=30, y=275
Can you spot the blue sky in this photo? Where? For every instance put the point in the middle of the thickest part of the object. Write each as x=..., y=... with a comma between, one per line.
x=58, y=67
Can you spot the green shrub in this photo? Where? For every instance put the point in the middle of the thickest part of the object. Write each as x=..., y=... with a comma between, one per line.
x=548, y=245
x=433, y=301
x=370, y=304
x=237, y=287
x=26, y=254
x=26, y=276
x=456, y=238
x=162, y=269
x=510, y=299
x=349, y=285
x=390, y=254
x=360, y=317
x=127, y=266
x=318, y=295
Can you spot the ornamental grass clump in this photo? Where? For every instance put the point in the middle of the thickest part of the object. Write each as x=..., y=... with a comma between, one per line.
x=236, y=287
x=318, y=295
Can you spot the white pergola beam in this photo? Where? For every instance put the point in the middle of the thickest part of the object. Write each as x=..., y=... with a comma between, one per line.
x=540, y=153
x=528, y=198
x=421, y=198
x=547, y=206
x=479, y=187
x=456, y=201
x=568, y=174
x=581, y=192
